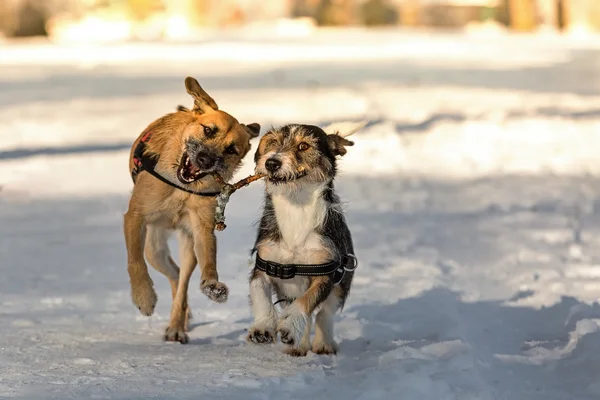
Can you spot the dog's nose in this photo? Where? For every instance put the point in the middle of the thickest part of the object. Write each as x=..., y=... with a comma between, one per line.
x=272, y=164
x=204, y=160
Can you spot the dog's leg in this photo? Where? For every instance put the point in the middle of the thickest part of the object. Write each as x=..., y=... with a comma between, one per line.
x=176, y=330
x=159, y=256
x=186, y=254
x=293, y=321
x=186, y=307
x=142, y=287
x=262, y=329
x=205, y=247
x=323, y=342
x=304, y=346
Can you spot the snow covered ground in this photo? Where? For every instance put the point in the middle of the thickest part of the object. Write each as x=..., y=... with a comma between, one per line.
x=472, y=195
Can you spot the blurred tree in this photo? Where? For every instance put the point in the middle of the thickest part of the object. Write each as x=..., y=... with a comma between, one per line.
x=501, y=14
x=304, y=8
x=488, y=13
x=378, y=12
x=8, y=19
x=335, y=12
x=595, y=15
x=31, y=17
x=521, y=14
x=410, y=12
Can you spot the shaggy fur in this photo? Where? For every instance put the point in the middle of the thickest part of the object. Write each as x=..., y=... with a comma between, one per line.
x=302, y=223
x=190, y=145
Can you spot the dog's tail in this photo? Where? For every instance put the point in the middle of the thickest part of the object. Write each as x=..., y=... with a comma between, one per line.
x=344, y=128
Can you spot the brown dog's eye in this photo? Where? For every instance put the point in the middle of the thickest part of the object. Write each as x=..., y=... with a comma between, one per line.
x=231, y=150
x=208, y=131
x=303, y=146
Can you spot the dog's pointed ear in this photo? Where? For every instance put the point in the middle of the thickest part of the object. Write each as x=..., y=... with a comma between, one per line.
x=253, y=129
x=202, y=101
x=344, y=129
x=338, y=144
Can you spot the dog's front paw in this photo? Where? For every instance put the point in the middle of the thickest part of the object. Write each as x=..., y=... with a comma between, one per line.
x=291, y=327
x=144, y=297
x=296, y=352
x=216, y=291
x=176, y=334
x=261, y=335
x=329, y=349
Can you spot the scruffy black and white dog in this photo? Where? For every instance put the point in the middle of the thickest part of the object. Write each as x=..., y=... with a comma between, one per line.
x=304, y=250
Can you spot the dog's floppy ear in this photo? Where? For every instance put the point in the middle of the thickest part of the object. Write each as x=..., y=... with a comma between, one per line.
x=337, y=133
x=253, y=129
x=344, y=129
x=202, y=101
x=338, y=144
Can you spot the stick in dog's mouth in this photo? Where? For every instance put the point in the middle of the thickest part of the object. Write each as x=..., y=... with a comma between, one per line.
x=227, y=190
x=300, y=173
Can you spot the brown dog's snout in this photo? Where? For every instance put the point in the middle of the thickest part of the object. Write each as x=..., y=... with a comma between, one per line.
x=205, y=160
x=272, y=164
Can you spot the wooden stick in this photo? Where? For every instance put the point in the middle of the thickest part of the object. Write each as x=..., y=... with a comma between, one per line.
x=227, y=189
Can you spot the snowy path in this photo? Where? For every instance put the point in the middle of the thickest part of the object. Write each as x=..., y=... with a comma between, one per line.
x=473, y=198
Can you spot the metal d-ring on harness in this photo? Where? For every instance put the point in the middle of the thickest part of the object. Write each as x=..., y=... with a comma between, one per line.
x=337, y=269
x=144, y=162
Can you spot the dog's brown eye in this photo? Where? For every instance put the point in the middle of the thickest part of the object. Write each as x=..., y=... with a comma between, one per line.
x=208, y=131
x=303, y=146
x=231, y=150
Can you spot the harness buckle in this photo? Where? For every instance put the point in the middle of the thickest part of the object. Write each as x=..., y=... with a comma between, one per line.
x=280, y=271
x=352, y=257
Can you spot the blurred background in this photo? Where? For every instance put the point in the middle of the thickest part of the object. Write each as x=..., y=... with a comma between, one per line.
x=473, y=194
x=154, y=19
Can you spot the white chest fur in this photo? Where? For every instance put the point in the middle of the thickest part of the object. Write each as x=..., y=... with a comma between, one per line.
x=298, y=215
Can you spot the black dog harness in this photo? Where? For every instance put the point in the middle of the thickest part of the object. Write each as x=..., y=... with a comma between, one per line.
x=144, y=162
x=335, y=269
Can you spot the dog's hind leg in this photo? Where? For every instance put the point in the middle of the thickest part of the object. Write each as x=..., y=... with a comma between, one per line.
x=323, y=343
x=159, y=256
x=186, y=306
x=177, y=326
x=142, y=287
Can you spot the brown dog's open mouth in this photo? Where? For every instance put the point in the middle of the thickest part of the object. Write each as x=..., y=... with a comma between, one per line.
x=188, y=172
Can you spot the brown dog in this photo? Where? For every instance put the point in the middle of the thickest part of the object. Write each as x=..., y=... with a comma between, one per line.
x=171, y=164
